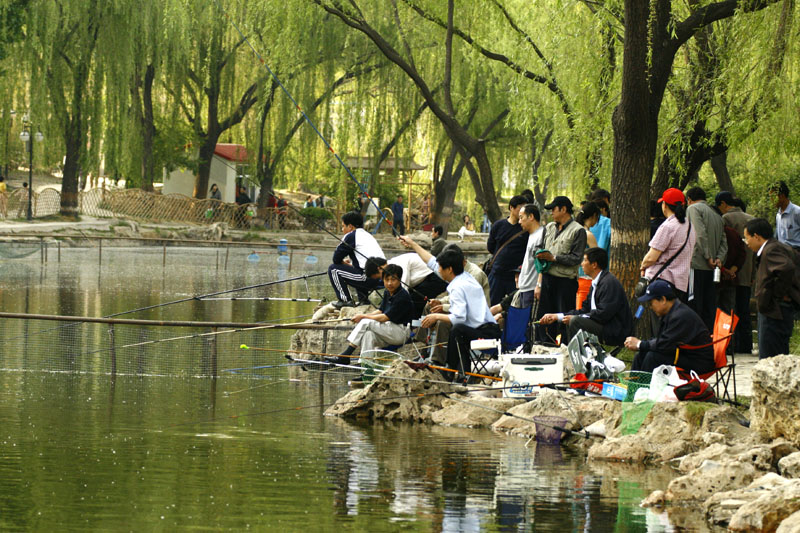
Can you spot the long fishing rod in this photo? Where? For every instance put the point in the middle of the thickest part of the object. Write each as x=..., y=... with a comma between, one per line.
x=261, y=299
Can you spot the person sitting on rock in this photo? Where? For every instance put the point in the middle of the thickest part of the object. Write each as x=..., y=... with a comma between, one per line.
x=679, y=326
x=438, y=241
x=420, y=281
x=388, y=325
x=605, y=311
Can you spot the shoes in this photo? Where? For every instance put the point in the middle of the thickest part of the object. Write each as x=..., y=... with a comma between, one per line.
x=342, y=303
x=337, y=359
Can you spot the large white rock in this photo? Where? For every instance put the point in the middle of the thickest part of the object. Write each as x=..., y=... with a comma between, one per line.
x=789, y=466
x=790, y=524
x=478, y=412
x=776, y=395
x=709, y=478
x=760, y=506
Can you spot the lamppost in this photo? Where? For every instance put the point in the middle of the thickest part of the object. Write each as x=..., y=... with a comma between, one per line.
x=25, y=136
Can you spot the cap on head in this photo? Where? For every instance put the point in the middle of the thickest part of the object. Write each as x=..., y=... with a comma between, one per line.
x=673, y=196
x=559, y=201
x=657, y=289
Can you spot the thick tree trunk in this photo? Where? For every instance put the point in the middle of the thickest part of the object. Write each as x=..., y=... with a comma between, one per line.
x=635, y=136
x=204, y=157
x=73, y=142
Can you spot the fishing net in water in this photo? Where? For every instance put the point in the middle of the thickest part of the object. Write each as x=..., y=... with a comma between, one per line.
x=373, y=362
x=547, y=428
x=634, y=412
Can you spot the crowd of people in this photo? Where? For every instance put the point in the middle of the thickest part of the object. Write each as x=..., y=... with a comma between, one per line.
x=700, y=258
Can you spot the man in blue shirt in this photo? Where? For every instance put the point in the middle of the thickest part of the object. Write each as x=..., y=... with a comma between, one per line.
x=787, y=219
x=397, y=215
x=602, y=230
x=469, y=314
x=388, y=325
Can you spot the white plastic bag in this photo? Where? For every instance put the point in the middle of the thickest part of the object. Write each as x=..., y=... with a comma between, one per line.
x=659, y=381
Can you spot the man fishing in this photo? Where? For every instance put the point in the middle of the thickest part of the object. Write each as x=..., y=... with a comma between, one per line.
x=388, y=325
x=349, y=260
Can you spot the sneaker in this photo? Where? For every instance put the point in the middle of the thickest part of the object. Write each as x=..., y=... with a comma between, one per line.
x=337, y=359
x=342, y=303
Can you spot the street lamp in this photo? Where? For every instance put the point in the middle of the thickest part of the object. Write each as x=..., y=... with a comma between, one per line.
x=25, y=137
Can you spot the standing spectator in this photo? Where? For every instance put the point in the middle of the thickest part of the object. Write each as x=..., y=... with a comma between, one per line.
x=777, y=288
x=3, y=197
x=486, y=224
x=283, y=210
x=438, y=239
x=271, y=211
x=674, y=238
x=656, y=217
x=321, y=200
x=528, y=194
x=733, y=215
x=587, y=217
x=349, y=260
x=602, y=230
x=215, y=193
x=529, y=219
x=734, y=261
x=708, y=253
x=565, y=243
x=787, y=219
x=309, y=202
x=398, y=215
x=23, y=201
x=242, y=197
x=507, y=243
x=426, y=209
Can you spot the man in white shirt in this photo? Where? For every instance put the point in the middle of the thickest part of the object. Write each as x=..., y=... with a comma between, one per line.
x=469, y=314
x=528, y=276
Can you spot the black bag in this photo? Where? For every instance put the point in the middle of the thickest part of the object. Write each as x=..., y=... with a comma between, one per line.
x=642, y=284
x=696, y=391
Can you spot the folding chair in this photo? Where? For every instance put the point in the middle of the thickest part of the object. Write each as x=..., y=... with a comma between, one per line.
x=724, y=373
x=515, y=332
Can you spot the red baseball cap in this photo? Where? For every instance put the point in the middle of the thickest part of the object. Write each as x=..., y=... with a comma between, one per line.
x=673, y=196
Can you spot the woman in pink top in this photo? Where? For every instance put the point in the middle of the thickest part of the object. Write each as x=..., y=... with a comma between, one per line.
x=668, y=241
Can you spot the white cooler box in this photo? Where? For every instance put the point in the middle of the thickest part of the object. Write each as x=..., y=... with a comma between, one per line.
x=522, y=373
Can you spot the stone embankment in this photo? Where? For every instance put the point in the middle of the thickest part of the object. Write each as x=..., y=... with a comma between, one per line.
x=740, y=469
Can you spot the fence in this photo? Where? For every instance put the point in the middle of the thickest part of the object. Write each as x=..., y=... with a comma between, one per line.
x=143, y=205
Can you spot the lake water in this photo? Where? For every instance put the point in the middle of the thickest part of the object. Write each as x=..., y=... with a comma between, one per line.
x=163, y=446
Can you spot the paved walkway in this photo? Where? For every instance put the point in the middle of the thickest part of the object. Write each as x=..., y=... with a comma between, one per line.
x=744, y=369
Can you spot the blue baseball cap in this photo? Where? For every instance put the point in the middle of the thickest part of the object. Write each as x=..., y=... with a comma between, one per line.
x=657, y=289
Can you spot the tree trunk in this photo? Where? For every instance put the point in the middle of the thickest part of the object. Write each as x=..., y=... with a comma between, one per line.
x=720, y=165
x=148, y=129
x=204, y=157
x=635, y=136
x=445, y=190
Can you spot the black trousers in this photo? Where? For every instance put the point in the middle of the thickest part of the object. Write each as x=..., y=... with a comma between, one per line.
x=344, y=276
x=458, y=350
x=500, y=285
x=705, y=297
x=647, y=362
x=557, y=296
x=774, y=334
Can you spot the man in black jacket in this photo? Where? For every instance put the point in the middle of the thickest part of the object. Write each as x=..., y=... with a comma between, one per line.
x=605, y=311
x=680, y=326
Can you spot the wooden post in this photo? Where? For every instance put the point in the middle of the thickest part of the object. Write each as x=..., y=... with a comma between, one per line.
x=217, y=259
x=113, y=350
x=227, y=251
x=164, y=257
x=100, y=255
x=41, y=249
x=324, y=341
x=214, y=354
x=59, y=251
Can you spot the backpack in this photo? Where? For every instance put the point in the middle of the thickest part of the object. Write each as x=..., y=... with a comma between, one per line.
x=695, y=390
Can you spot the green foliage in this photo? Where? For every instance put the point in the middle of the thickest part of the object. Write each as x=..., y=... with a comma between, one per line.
x=316, y=213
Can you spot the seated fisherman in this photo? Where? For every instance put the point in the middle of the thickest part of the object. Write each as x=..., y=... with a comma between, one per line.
x=438, y=241
x=349, y=260
x=388, y=325
x=420, y=281
x=680, y=325
x=605, y=311
x=469, y=313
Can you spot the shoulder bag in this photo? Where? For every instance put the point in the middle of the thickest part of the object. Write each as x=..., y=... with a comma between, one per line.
x=641, y=285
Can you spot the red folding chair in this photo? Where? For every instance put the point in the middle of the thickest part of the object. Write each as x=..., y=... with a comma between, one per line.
x=724, y=373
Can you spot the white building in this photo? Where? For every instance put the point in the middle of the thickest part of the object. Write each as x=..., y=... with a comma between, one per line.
x=226, y=165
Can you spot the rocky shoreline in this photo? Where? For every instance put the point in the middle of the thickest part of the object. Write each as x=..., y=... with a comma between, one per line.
x=738, y=470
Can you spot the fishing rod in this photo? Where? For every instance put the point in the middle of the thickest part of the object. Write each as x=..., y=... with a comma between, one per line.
x=381, y=375
x=260, y=299
x=246, y=347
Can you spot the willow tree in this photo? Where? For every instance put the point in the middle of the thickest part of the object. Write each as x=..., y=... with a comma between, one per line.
x=654, y=32
x=67, y=44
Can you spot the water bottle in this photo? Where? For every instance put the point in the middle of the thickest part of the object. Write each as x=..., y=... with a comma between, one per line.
x=717, y=275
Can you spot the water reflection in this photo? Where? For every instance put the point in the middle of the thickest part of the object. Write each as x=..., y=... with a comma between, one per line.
x=155, y=449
